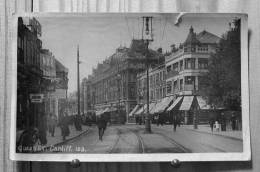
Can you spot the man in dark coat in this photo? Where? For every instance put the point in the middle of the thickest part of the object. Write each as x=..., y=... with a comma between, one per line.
x=211, y=123
x=101, y=124
x=175, y=122
x=64, y=124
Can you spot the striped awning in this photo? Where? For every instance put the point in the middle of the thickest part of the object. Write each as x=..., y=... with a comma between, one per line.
x=134, y=110
x=140, y=110
x=186, y=103
x=202, y=103
x=174, y=103
x=163, y=104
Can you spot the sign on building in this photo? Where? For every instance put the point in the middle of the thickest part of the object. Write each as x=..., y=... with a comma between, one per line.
x=36, y=98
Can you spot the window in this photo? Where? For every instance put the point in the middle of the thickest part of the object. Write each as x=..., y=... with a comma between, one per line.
x=157, y=78
x=203, y=63
x=203, y=48
x=164, y=76
x=181, y=84
x=189, y=80
x=175, y=67
x=175, y=86
x=181, y=65
x=190, y=63
x=164, y=92
x=169, y=87
x=169, y=68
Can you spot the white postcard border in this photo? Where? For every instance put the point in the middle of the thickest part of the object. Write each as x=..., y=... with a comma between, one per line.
x=147, y=157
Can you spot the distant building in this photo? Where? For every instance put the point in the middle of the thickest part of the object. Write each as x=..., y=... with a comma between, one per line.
x=59, y=96
x=48, y=68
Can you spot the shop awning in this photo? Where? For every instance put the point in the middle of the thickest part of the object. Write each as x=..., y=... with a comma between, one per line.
x=106, y=110
x=186, y=103
x=202, y=103
x=152, y=111
x=134, y=110
x=99, y=112
x=163, y=104
x=112, y=109
x=151, y=106
x=174, y=103
x=140, y=110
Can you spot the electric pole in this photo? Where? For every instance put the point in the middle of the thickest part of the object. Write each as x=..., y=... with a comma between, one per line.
x=78, y=81
x=147, y=37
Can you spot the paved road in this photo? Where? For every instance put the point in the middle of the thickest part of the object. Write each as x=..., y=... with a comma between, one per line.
x=132, y=139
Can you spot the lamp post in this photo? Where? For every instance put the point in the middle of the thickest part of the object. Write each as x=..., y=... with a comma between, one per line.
x=78, y=124
x=147, y=37
x=195, y=115
x=118, y=89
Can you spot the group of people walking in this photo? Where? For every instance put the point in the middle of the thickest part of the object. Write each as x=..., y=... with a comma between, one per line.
x=223, y=123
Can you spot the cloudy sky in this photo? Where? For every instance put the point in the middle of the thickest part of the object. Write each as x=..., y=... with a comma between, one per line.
x=98, y=36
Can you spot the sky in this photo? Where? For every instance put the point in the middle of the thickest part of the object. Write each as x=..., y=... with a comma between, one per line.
x=98, y=36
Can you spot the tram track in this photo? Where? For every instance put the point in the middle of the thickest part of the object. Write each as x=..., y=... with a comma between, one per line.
x=120, y=132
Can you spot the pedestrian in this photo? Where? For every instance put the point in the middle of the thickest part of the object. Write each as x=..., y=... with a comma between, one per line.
x=233, y=121
x=48, y=123
x=64, y=124
x=101, y=124
x=175, y=122
x=223, y=122
x=52, y=124
x=42, y=127
x=156, y=118
x=217, y=126
x=211, y=123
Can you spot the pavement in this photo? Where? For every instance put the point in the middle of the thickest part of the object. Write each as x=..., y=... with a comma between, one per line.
x=206, y=129
x=57, y=139
x=133, y=139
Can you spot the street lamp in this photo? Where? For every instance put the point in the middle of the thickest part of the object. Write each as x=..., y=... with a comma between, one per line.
x=195, y=114
x=118, y=77
x=147, y=37
x=78, y=127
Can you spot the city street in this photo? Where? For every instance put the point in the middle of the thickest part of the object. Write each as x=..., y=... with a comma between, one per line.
x=132, y=139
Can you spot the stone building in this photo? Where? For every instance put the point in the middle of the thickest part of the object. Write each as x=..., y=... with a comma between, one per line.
x=185, y=68
x=113, y=82
x=29, y=74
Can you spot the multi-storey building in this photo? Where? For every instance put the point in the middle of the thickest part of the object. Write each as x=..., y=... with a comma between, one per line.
x=29, y=73
x=157, y=88
x=48, y=68
x=61, y=89
x=113, y=82
x=186, y=66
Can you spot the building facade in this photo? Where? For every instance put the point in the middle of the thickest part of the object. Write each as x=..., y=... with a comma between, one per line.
x=185, y=68
x=113, y=82
x=37, y=76
x=157, y=84
x=29, y=73
x=189, y=63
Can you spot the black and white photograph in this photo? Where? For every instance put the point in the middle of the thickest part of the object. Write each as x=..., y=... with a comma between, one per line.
x=130, y=87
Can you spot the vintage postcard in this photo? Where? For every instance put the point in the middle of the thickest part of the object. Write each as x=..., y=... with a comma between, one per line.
x=130, y=87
